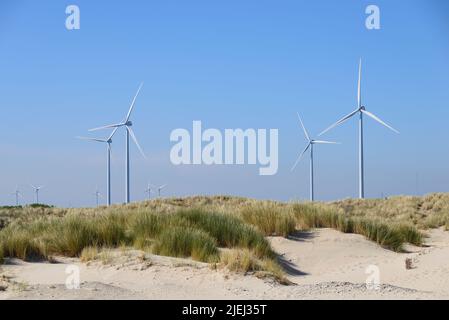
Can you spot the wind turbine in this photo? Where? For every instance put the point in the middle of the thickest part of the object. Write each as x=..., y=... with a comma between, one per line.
x=18, y=194
x=36, y=190
x=108, y=164
x=149, y=190
x=159, y=190
x=97, y=194
x=127, y=124
x=310, y=144
x=361, y=110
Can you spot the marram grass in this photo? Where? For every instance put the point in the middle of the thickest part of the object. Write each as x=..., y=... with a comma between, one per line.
x=390, y=236
x=270, y=219
x=186, y=242
x=206, y=228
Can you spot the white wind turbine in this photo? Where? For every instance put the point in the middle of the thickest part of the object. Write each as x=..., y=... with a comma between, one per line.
x=108, y=162
x=361, y=110
x=127, y=124
x=149, y=190
x=310, y=144
x=159, y=189
x=18, y=194
x=97, y=195
x=36, y=190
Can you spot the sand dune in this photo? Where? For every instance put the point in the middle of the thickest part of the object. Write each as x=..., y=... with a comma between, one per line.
x=323, y=264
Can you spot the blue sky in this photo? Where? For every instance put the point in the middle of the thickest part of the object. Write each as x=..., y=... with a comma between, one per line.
x=230, y=64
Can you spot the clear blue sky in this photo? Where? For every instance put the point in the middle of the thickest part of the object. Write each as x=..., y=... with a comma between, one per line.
x=230, y=64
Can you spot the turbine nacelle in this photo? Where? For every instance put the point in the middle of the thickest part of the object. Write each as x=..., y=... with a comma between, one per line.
x=310, y=143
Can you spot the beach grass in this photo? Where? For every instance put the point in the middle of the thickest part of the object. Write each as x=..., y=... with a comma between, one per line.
x=228, y=230
x=193, y=233
x=391, y=236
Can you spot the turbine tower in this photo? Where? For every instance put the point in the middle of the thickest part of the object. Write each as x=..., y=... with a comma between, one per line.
x=108, y=162
x=361, y=110
x=127, y=124
x=36, y=190
x=310, y=144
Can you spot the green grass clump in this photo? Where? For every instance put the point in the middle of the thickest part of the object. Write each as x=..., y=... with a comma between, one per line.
x=380, y=233
x=389, y=236
x=229, y=231
x=186, y=242
x=410, y=234
x=147, y=224
x=270, y=219
x=310, y=217
x=17, y=243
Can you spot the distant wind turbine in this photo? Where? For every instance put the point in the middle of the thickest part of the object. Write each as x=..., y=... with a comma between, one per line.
x=36, y=190
x=97, y=195
x=18, y=194
x=361, y=110
x=159, y=189
x=149, y=190
x=310, y=144
x=108, y=161
x=127, y=124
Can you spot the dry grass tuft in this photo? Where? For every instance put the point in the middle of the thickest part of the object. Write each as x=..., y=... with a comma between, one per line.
x=89, y=254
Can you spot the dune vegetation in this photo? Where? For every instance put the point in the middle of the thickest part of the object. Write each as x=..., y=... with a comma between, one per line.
x=227, y=231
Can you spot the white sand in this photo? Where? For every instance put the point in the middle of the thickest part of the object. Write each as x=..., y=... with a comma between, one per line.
x=324, y=264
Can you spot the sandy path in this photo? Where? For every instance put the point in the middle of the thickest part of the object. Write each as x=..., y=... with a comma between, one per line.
x=325, y=264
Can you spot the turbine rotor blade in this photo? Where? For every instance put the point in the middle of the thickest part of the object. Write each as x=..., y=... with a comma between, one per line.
x=303, y=127
x=369, y=114
x=345, y=118
x=133, y=136
x=300, y=156
x=151, y=186
x=324, y=142
x=108, y=127
x=162, y=187
x=92, y=139
x=132, y=104
x=113, y=132
x=359, y=87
